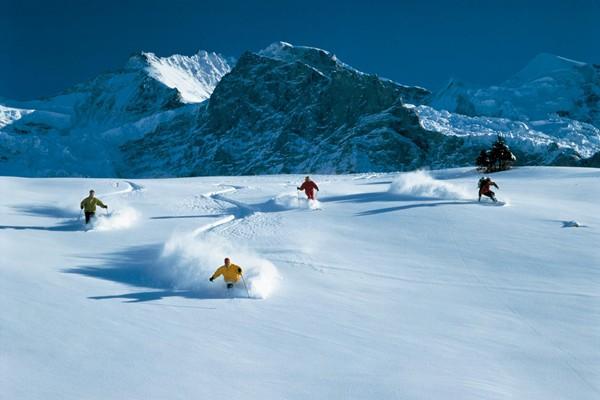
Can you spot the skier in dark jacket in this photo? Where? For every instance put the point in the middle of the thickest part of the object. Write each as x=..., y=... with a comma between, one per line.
x=309, y=188
x=484, y=188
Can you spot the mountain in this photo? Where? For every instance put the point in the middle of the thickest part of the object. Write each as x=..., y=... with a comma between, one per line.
x=295, y=109
x=78, y=131
x=291, y=109
x=559, y=141
x=549, y=87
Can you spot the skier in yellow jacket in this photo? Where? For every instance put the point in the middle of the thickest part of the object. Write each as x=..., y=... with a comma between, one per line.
x=88, y=205
x=231, y=273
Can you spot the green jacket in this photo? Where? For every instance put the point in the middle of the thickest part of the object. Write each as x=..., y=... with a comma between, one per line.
x=89, y=204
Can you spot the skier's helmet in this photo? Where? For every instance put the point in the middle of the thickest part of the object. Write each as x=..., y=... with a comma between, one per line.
x=227, y=260
x=92, y=191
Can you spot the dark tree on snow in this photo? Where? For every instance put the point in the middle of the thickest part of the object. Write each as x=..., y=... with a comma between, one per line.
x=497, y=158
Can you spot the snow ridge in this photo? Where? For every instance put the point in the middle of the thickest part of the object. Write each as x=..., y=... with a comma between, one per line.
x=194, y=77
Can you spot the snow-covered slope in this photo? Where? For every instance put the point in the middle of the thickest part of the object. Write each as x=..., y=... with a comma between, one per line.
x=400, y=286
x=559, y=141
x=547, y=87
x=79, y=131
x=194, y=77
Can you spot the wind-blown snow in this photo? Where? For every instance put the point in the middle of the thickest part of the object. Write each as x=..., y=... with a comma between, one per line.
x=291, y=200
x=189, y=259
x=421, y=185
x=122, y=218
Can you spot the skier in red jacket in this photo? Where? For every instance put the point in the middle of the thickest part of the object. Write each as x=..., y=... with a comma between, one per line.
x=309, y=188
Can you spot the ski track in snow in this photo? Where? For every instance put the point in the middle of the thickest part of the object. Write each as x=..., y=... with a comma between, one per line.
x=131, y=188
x=217, y=195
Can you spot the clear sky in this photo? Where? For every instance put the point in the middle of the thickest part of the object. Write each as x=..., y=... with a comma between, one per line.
x=46, y=46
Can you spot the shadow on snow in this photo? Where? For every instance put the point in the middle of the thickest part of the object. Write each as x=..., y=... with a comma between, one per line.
x=189, y=216
x=37, y=210
x=141, y=267
x=409, y=206
x=72, y=221
x=68, y=226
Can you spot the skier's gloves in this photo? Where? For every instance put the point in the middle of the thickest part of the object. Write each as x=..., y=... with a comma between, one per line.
x=211, y=279
x=239, y=270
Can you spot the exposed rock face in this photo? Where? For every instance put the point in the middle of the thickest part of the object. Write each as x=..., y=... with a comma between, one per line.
x=290, y=109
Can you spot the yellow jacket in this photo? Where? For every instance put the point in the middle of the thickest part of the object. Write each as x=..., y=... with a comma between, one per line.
x=231, y=274
x=89, y=204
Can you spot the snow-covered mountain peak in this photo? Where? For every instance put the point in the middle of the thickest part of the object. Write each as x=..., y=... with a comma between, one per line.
x=546, y=64
x=287, y=51
x=194, y=77
x=322, y=60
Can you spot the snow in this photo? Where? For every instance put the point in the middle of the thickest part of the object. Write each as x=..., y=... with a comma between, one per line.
x=532, y=136
x=420, y=185
x=546, y=64
x=401, y=286
x=322, y=60
x=10, y=114
x=194, y=77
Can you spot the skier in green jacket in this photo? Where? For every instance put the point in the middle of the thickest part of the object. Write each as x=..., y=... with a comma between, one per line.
x=88, y=205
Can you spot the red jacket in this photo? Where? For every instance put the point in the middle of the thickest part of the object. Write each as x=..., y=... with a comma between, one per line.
x=309, y=186
x=485, y=187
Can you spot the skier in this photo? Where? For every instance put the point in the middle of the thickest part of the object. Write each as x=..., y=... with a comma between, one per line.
x=88, y=205
x=231, y=273
x=484, y=188
x=309, y=188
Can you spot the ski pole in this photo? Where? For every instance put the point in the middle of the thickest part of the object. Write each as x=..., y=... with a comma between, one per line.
x=247, y=292
x=80, y=213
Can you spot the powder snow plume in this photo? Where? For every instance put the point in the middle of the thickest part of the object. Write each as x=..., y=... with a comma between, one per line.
x=190, y=259
x=421, y=185
x=121, y=218
x=291, y=200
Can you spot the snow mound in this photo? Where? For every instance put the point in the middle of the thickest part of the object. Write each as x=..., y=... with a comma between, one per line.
x=122, y=218
x=189, y=260
x=421, y=185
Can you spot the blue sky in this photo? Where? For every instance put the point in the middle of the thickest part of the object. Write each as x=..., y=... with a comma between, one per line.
x=49, y=45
